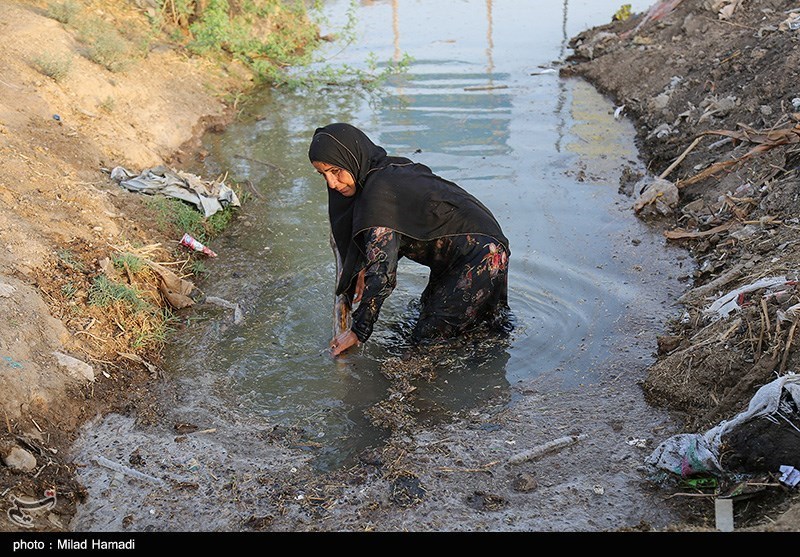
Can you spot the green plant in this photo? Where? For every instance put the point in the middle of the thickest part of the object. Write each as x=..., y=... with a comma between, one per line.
x=104, y=292
x=157, y=332
x=68, y=258
x=108, y=104
x=69, y=290
x=53, y=65
x=129, y=262
x=65, y=12
x=198, y=269
x=174, y=216
x=105, y=46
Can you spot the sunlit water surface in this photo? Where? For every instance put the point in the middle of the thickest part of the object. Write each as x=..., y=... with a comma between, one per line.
x=482, y=104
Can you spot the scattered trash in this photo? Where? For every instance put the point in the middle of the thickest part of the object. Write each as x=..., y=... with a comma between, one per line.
x=209, y=197
x=729, y=303
x=56, y=117
x=6, y=290
x=655, y=196
x=19, y=459
x=545, y=448
x=623, y=13
x=791, y=23
x=790, y=476
x=178, y=292
x=598, y=489
x=723, y=513
x=689, y=454
x=634, y=442
x=724, y=8
x=618, y=112
x=237, y=311
x=657, y=11
x=102, y=461
x=133, y=357
x=190, y=242
x=545, y=71
x=11, y=362
x=193, y=465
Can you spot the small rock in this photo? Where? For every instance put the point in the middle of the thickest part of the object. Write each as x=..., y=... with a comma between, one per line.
x=75, y=367
x=524, y=483
x=19, y=459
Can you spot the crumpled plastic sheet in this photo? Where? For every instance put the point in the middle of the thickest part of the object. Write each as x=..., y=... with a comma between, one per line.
x=790, y=476
x=209, y=197
x=688, y=454
x=728, y=303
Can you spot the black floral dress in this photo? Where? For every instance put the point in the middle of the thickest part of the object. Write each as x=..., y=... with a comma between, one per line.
x=468, y=283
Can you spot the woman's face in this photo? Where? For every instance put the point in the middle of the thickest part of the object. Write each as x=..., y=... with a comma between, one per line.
x=338, y=179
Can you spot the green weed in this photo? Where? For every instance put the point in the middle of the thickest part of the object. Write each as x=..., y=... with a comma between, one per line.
x=105, y=292
x=108, y=104
x=157, y=333
x=53, y=65
x=106, y=46
x=175, y=217
x=69, y=290
x=129, y=262
x=65, y=12
x=68, y=258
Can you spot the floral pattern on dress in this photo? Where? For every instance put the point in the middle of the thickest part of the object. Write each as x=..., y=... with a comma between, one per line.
x=467, y=283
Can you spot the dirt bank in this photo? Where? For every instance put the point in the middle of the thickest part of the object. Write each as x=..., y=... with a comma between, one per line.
x=64, y=122
x=678, y=74
x=712, y=87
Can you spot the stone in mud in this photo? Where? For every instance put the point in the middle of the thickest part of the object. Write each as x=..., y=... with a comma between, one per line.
x=75, y=367
x=524, y=483
x=483, y=501
x=407, y=491
x=20, y=460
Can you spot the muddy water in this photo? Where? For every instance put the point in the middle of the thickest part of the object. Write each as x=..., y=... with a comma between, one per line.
x=483, y=106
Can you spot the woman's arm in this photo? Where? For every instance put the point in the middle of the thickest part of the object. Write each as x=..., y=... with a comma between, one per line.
x=381, y=246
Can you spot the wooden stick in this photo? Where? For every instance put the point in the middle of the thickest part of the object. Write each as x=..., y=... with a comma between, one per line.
x=682, y=156
x=541, y=450
x=788, y=345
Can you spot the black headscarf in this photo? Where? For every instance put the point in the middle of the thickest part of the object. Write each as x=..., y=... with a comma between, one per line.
x=393, y=192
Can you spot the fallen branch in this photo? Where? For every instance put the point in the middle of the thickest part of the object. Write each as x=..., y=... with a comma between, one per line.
x=722, y=280
x=681, y=234
x=682, y=156
x=548, y=447
x=788, y=346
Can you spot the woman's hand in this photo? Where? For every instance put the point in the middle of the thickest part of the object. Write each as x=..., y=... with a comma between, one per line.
x=343, y=341
x=359, y=286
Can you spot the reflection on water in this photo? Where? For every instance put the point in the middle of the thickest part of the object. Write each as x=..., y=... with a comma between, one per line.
x=571, y=283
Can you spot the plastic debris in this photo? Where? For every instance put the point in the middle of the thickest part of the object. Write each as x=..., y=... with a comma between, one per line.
x=6, y=290
x=690, y=454
x=111, y=465
x=790, y=476
x=237, y=311
x=545, y=448
x=655, y=196
x=208, y=196
x=723, y=514
x=729, y=303
x=190, y=242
